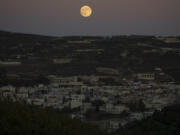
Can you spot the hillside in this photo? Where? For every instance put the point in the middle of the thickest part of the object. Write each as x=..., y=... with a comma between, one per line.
x=35, y=55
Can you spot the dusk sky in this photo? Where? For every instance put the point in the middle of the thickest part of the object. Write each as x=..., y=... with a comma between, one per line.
x=109, y=17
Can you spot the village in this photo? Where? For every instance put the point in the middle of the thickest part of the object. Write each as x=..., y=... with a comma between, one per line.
x=110, y=107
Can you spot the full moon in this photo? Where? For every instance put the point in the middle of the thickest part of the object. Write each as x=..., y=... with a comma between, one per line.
x=85, y=11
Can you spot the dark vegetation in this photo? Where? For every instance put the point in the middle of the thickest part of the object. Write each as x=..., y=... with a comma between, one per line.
x=23, y=119
x=165, y=122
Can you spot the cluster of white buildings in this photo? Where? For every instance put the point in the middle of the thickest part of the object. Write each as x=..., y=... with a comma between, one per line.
x=72, y=94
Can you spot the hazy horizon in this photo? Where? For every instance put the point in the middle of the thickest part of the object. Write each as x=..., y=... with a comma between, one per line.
x=59, y=36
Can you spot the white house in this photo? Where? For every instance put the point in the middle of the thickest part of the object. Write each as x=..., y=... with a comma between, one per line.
x=116, y=109
x=76, y=100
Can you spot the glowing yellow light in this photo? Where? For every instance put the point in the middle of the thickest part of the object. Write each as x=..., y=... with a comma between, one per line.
x=85, y=11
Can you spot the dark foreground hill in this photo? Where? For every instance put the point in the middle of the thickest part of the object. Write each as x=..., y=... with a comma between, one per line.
x=22, y=119
x=165, y=122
